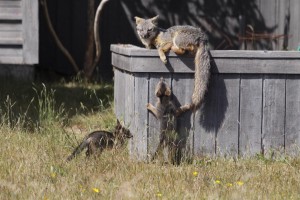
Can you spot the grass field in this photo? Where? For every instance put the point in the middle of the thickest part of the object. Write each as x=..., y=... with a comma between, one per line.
x=40, y=125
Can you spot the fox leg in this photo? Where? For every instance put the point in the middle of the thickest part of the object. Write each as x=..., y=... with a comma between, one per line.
x=151, y=108
x=183, y=109
x=162, y=50
x=177, y=50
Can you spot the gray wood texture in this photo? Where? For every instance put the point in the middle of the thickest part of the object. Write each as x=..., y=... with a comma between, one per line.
x=250, y=114
x=30, y=31
x=245, y=112
x=229, y=61
x=19, y=32
x=273, y=123
x=292, y=125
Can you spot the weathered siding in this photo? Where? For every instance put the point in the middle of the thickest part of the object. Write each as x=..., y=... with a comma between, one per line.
x=19, y=32
x=252, y=105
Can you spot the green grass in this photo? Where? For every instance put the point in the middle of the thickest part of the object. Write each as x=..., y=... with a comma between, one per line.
x=40, y=124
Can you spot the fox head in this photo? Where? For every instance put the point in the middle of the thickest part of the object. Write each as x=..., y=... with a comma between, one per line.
x=121, y=132
x=162, y=89
x=147, y=29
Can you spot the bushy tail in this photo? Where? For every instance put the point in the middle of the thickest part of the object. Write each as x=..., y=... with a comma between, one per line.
x=202, y=75
x=78, y=150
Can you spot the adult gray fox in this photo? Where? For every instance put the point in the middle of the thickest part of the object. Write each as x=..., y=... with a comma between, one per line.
x=179, y=39
x=166, y=112
x=100, y=140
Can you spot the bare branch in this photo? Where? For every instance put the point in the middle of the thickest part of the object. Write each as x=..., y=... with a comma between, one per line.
x=97, y=38
x=56, y=39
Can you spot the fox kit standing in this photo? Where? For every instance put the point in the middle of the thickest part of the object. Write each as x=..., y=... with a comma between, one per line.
x=100, y=140
x=166, y=112
x=179, y=39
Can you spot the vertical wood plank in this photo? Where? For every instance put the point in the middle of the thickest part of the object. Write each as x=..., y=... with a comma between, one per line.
x=206, y=120
x=227, y=134
x=268, y=8
x=129, y=106
x=116, y=93
x=182, y=88
x=250, y=115
x=30, y=31
x=154, y=124
x=292, y=131
x=273, y=112
x=140, y=133
x=119, y=94
x=294, y=29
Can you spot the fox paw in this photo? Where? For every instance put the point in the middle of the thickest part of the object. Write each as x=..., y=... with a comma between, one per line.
x=148, y=105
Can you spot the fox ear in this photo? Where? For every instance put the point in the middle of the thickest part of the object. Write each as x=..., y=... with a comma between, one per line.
x=168, y=92
x=118, y=123
x=138, y=20
x=154, y=19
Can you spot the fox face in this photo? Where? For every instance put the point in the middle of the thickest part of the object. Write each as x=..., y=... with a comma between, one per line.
x=147, y=29
x=162, y=89
x=122, y=132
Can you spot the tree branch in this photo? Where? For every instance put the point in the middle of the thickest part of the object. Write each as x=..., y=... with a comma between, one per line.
x=97, y=38
x=56, y=39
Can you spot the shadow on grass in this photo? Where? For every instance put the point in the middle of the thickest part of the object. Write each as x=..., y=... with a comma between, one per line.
x=29, y=102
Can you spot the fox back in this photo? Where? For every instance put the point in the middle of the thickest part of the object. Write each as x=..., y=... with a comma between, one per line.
x=100, y=140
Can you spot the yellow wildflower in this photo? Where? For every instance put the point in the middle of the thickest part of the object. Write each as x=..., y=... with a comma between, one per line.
x=195, y=173
x=53, y=174
x=240, y=183
x=96, y=190
x=217, y=181
x=229, y=184
x=159, y=194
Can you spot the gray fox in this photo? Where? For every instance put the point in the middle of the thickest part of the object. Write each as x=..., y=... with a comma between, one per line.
x=100, y=140
x=166, y=112
x=179, y=39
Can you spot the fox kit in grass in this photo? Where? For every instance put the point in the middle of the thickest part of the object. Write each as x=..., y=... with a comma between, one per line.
x=166, y=112
x=100, y=140
x=179, y=39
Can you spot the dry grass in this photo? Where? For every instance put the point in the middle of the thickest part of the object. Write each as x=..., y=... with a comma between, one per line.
x=33, y=149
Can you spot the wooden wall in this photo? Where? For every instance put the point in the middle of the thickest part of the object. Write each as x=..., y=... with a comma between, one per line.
x=19, y=32
x=220, y=19
x=252, y=105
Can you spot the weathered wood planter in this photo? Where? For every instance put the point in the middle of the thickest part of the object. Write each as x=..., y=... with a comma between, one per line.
x=252, y=106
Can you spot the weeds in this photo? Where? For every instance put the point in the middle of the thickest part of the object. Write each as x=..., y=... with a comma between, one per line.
x=32, y=165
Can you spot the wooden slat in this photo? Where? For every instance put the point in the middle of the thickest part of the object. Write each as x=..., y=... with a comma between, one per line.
x=11, y=41
x=154, y=124
x=11, y=59
x=250, y=115
x=129, y=106
x=11, y=52
x=277, y=62
x=182, y=88
x=10, y=27
x=30, y=31
x=208, y=120
x=140, y=132
x=119, y=96
x=10, y=3
x=269, y=8
x=10, y=13
x=227, y=134
x=134, y=51
x=292, y=129
x=273, y=112
x=294, y=25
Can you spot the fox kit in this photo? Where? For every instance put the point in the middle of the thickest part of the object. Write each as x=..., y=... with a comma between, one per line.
x=179, y=39
x=166, y=112
x=100, y=140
